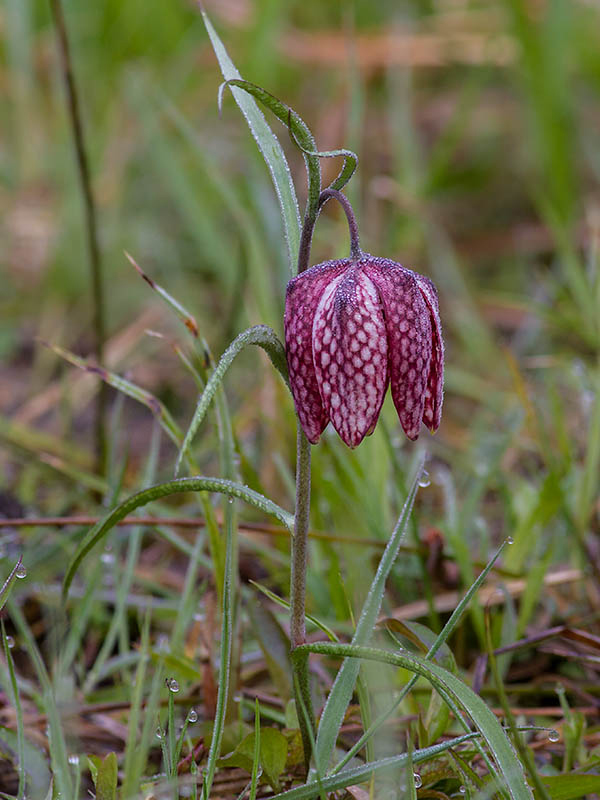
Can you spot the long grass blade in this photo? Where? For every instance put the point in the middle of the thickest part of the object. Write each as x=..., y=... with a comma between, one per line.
x=260, y=335
x=360, y=774
x=446, y=684
x=8, y=583
x=200, y=484
x=268, y=145
x=440, y=640
x=341, y=692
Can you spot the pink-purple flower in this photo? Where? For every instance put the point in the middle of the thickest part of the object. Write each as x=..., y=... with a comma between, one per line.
x=351, y=327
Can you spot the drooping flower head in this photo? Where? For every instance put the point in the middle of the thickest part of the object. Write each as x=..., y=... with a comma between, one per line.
x=351, y=327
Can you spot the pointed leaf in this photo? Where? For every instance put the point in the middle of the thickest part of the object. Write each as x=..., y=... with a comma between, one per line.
x=341, y=691
x=8, y=583
x=448, y=684
x=268, y=145
x=260, y=335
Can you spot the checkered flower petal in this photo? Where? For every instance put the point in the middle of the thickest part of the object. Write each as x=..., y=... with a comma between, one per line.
x=352, y=327
x=408, y=326
x=302, y=298
x=434, y=393
x=350, y=354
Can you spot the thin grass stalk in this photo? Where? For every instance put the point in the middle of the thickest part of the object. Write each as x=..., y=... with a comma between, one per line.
x=440, y=639
x=522, y=749
x=224, y=667
x=91, y=224
x=18, y=714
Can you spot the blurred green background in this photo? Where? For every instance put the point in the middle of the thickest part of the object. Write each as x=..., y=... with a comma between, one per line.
x=476, y=126
x=477, y=130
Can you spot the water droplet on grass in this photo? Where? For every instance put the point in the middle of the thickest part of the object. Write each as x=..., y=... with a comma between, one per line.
x=510, y=540
x=21, y=571
x=192, y=716
x=159, y=733
x=553, y=735
x=462, y=789
x=425, y=480
x=74, y=759
x=10, y=642
x=418, y=780
x=172, y=685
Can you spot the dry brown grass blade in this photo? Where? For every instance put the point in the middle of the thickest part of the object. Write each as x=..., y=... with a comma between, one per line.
x=488, y=595
x=82, y=387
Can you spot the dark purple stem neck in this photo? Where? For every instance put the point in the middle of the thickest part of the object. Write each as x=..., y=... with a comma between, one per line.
x=329, y=194
x=309, y=227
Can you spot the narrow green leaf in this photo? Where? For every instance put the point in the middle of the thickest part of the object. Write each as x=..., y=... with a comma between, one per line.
x=299, y=131
x=341, y=692
x=285, y=604
x=447, y=684
x=260, y=335
x=360, y=774
x=268, y=145
x=159, y=410
x=184, y=315
x=56, y=740
x=18, y=712
x=256, y=756
x=8, y=583
x=94, y=763
x=199, y=484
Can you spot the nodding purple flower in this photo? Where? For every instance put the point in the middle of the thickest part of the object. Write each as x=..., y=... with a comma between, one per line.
x=353, y=326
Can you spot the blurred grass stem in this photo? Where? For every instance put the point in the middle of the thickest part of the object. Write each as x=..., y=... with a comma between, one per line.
x=74, y=113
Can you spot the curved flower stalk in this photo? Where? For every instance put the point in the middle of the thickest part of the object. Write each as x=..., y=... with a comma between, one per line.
x=352, y=327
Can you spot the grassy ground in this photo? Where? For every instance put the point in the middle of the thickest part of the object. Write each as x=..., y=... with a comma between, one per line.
x=476, y=126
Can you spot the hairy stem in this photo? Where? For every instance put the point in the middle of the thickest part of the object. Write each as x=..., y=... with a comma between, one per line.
x=300, y=542
x=90, y=216
x=298, y=593
x=311, y=220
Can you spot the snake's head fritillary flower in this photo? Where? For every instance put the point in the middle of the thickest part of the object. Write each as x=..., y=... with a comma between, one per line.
x=351, y=327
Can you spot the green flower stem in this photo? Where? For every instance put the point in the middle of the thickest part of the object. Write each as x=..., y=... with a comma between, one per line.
x=298, y=593
x=300, y=542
